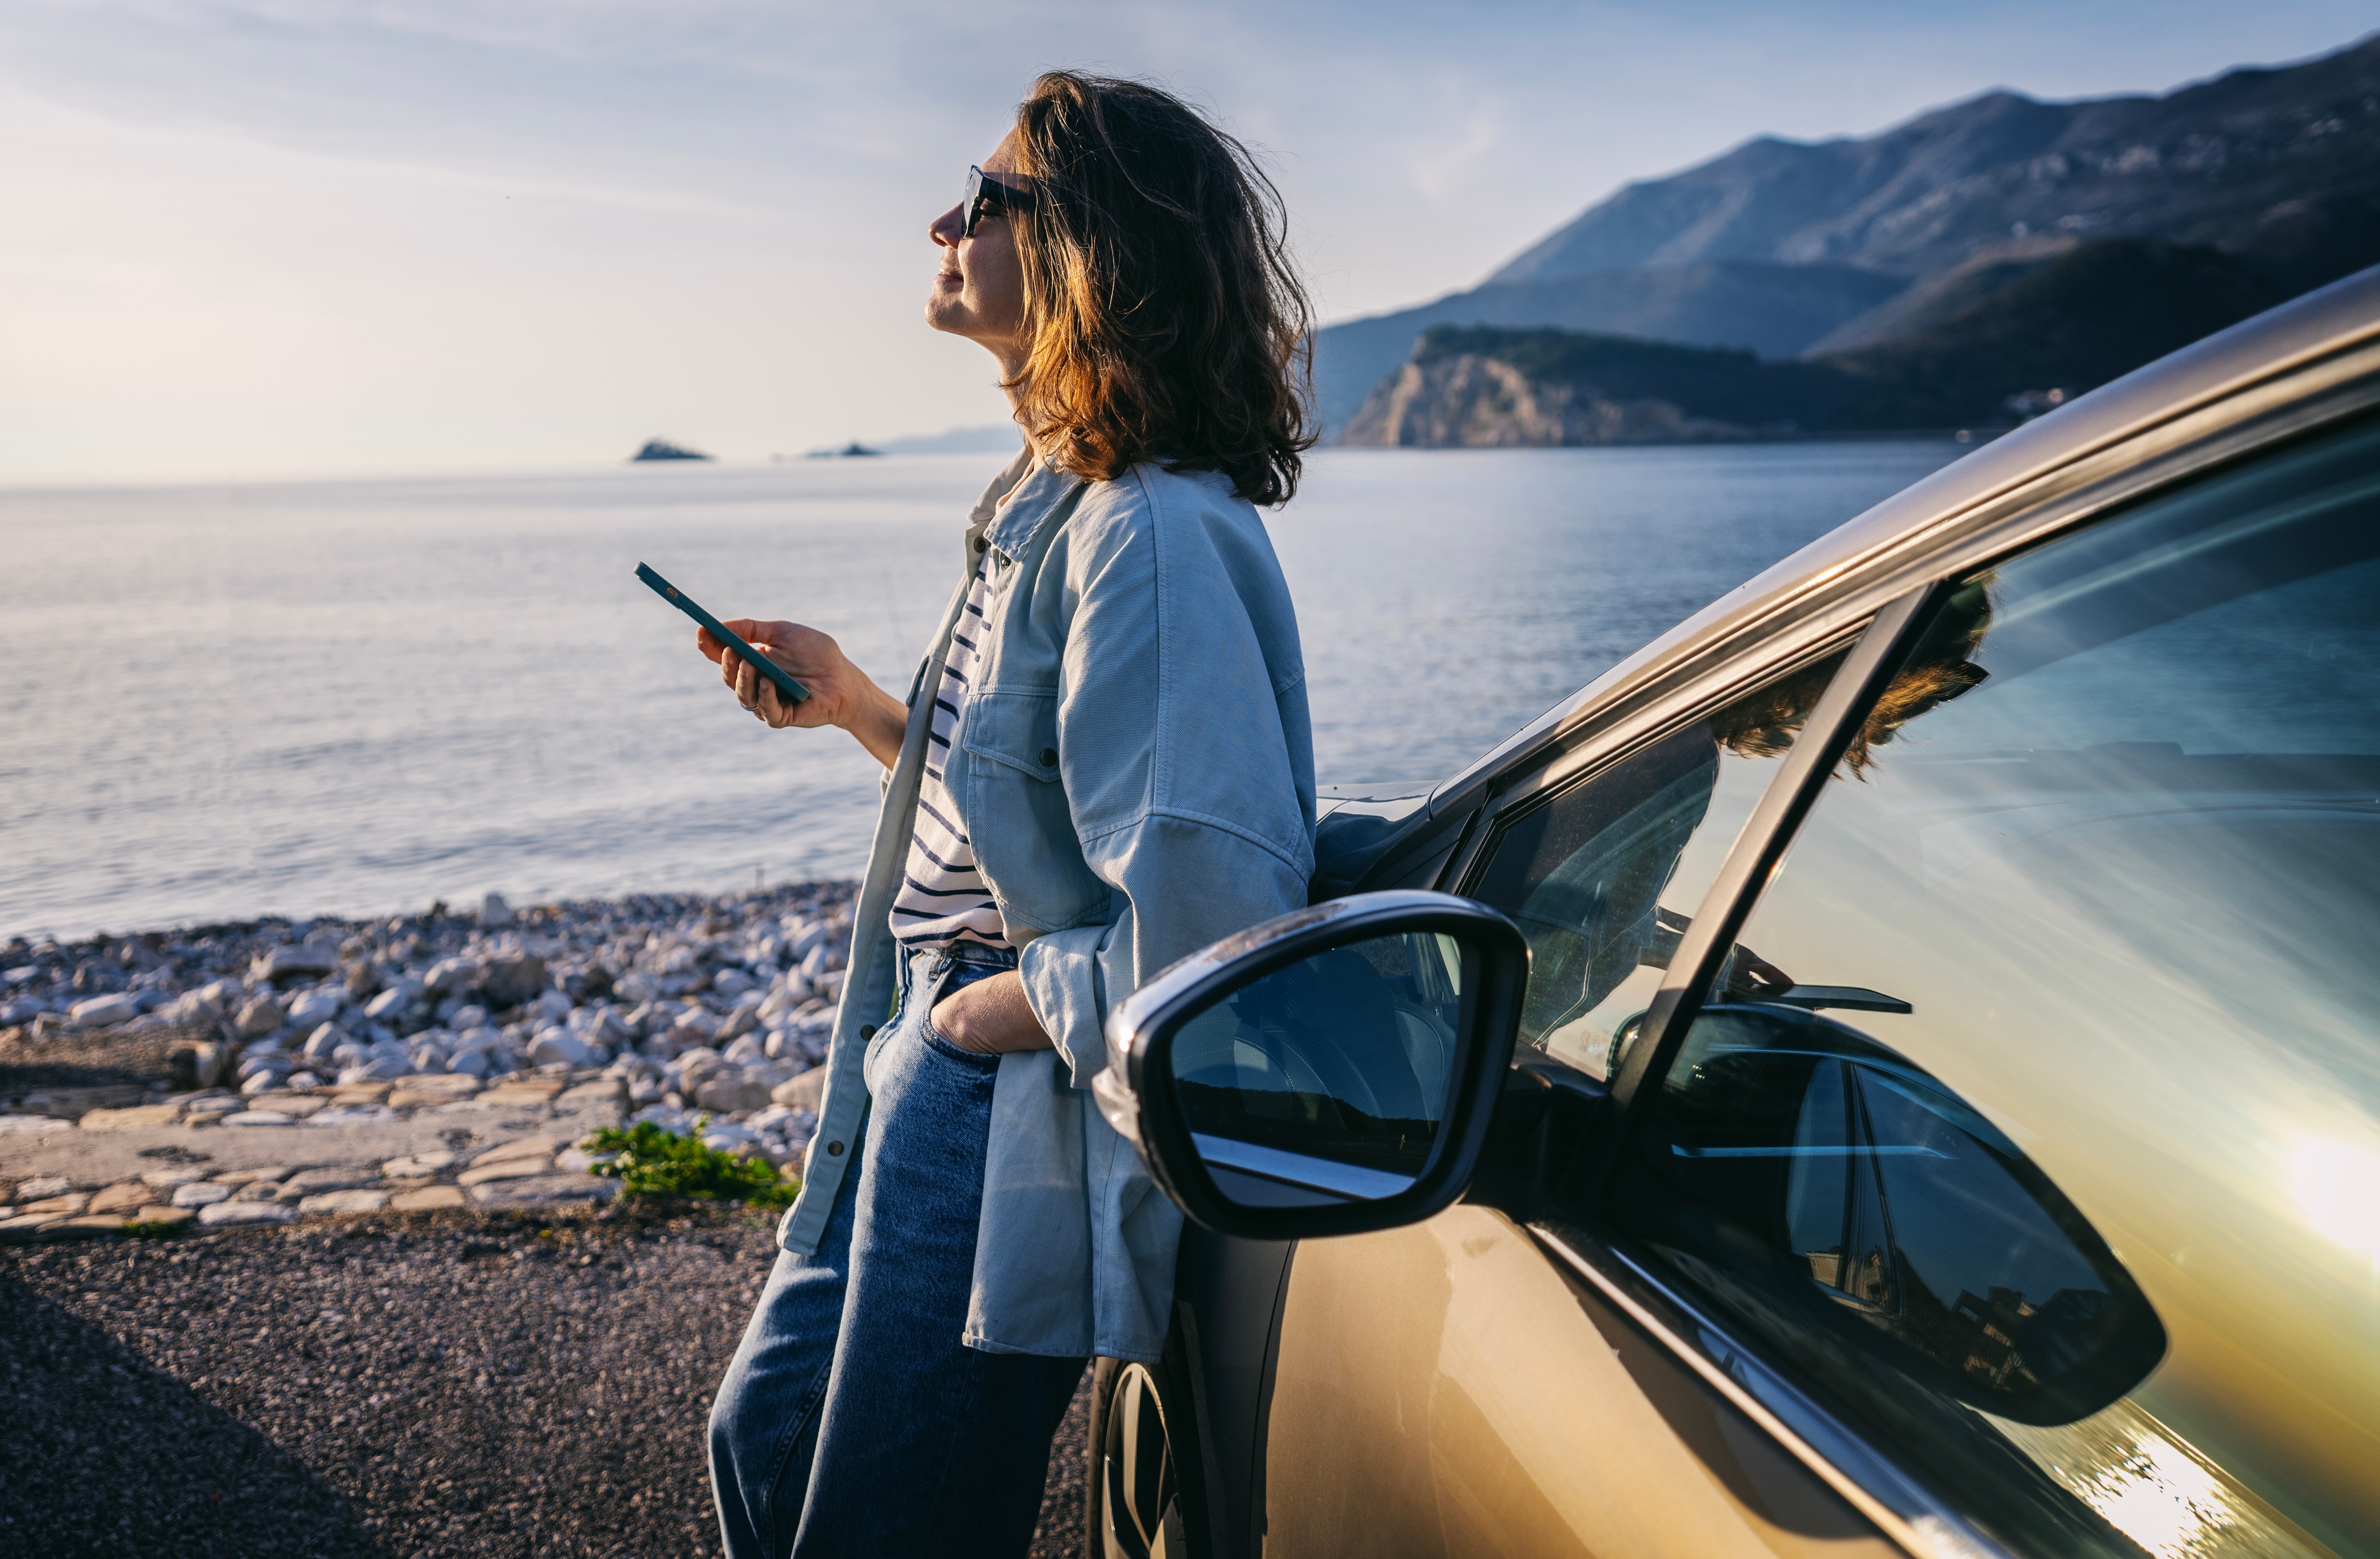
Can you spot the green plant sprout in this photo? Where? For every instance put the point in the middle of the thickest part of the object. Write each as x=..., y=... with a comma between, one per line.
x=648, y=1161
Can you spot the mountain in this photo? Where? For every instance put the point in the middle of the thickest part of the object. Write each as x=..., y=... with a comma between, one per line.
x=2072, y=324
x=2281, y=166
x=1000, y=438
x=2066, y=326
x=1842, y=247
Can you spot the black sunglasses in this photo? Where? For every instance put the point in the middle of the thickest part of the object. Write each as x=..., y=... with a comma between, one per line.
x=985, y=196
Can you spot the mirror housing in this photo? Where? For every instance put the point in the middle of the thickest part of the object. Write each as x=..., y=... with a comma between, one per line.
x=1255, y=1190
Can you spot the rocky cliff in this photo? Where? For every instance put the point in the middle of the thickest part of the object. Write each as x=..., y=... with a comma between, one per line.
x=1981, y=357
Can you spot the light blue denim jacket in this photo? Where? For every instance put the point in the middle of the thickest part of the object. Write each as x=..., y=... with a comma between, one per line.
x=1135, y=767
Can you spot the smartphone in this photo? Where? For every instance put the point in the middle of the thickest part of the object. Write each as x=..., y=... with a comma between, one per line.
x=760, y=662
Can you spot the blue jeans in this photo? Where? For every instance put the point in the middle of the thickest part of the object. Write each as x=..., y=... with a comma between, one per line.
x=852, y=1420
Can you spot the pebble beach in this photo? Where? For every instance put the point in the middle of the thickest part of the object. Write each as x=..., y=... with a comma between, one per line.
x=299, y=1234
x=264, y=1071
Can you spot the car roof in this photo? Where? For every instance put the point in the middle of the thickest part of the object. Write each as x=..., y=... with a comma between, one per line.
x=2322, y=323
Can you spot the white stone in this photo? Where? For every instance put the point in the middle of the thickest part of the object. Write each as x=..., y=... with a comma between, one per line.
x=352, y=1114
x=260, y=1118
x=29, y=1124
x=322, y=1042
x=379, y=1068
x=452, y=977
x=803, y=937
x=312, y=1182
x=262, y=1080
x=560, y=1044
x=201, y=1193
x=214, y=1105
x=166, y=1180
x=393, y=1002
x=103, y=1012
x=289, y=963
x=235, y=1212
x=259, y=1017
x=318, y=1006
x=494, y=911
x=694, y=1026
x=344, y=1201
x=543, y=1189
x=41, y=1188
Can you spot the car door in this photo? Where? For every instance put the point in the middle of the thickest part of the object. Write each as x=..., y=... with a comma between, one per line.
x=2017, y=1193
x=2084, y=1221
x=1450, y=1389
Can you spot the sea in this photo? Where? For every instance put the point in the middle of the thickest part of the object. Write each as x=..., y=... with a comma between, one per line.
x=357, y=698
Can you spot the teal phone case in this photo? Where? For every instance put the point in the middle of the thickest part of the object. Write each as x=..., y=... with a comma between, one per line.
x=760, y=662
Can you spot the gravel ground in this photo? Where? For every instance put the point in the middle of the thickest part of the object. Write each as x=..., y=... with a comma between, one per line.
x=429, y=1384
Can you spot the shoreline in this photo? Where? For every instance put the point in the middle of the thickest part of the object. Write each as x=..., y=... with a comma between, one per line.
x=334, y=1066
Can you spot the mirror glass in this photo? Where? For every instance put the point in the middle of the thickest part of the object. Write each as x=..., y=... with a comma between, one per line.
x=1839, y=1195
x=1325, y=1080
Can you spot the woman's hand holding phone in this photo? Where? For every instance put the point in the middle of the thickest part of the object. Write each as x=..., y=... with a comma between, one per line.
x=841, y=694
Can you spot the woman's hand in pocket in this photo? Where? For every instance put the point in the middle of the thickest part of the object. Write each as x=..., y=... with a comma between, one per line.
x=991, y=1017
x=841, y=694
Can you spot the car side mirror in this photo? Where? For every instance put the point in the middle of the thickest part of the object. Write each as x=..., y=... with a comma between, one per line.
x=1329, y=1072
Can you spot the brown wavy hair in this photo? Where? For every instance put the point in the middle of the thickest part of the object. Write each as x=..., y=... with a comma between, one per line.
x=1765, y=723
x=1167, y=321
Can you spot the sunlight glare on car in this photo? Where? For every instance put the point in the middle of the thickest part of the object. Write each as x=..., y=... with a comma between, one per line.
x=2338, y=1187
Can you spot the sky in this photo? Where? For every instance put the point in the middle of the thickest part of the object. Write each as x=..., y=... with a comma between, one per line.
x=255, y=239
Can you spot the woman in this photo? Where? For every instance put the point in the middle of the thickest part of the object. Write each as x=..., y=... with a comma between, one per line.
x=1103, y=764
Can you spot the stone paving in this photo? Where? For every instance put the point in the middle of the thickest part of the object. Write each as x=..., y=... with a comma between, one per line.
x=366, y=1148
x=257, y=1073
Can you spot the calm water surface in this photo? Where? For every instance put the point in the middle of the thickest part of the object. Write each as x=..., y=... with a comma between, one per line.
x=357, y=696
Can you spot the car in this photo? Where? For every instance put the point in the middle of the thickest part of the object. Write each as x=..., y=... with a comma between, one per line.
x=1891, y=1067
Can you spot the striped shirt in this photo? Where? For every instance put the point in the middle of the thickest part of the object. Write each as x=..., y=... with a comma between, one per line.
x=943, y=897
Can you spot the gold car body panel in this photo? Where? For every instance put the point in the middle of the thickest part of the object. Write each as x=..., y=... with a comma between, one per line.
x=1444, y=1392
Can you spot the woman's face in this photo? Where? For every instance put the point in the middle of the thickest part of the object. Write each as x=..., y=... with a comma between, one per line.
x=980, y=290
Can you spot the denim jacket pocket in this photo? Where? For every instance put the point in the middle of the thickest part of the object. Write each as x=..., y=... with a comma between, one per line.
x=1017, y=729
x=1012, y=795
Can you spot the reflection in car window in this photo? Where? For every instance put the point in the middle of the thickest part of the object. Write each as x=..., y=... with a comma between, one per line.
x=2122, y=872
x=1604, y=877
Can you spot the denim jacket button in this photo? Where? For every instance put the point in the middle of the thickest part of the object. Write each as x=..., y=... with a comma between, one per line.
x=834, y=1150
x=1049, y=757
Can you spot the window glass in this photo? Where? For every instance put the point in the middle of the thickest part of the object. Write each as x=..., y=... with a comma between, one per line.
x=1603, y=876
x=2111, y=849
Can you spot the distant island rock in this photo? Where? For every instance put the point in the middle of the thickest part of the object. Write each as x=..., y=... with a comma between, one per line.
x=662, y=449
x=1000, y=438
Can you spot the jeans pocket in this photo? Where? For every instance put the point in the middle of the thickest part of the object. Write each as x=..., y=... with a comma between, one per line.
x=949, y=1051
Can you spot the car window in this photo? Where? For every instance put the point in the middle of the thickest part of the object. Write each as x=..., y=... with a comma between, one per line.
x=2084, y=1213
x=1603, y=875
